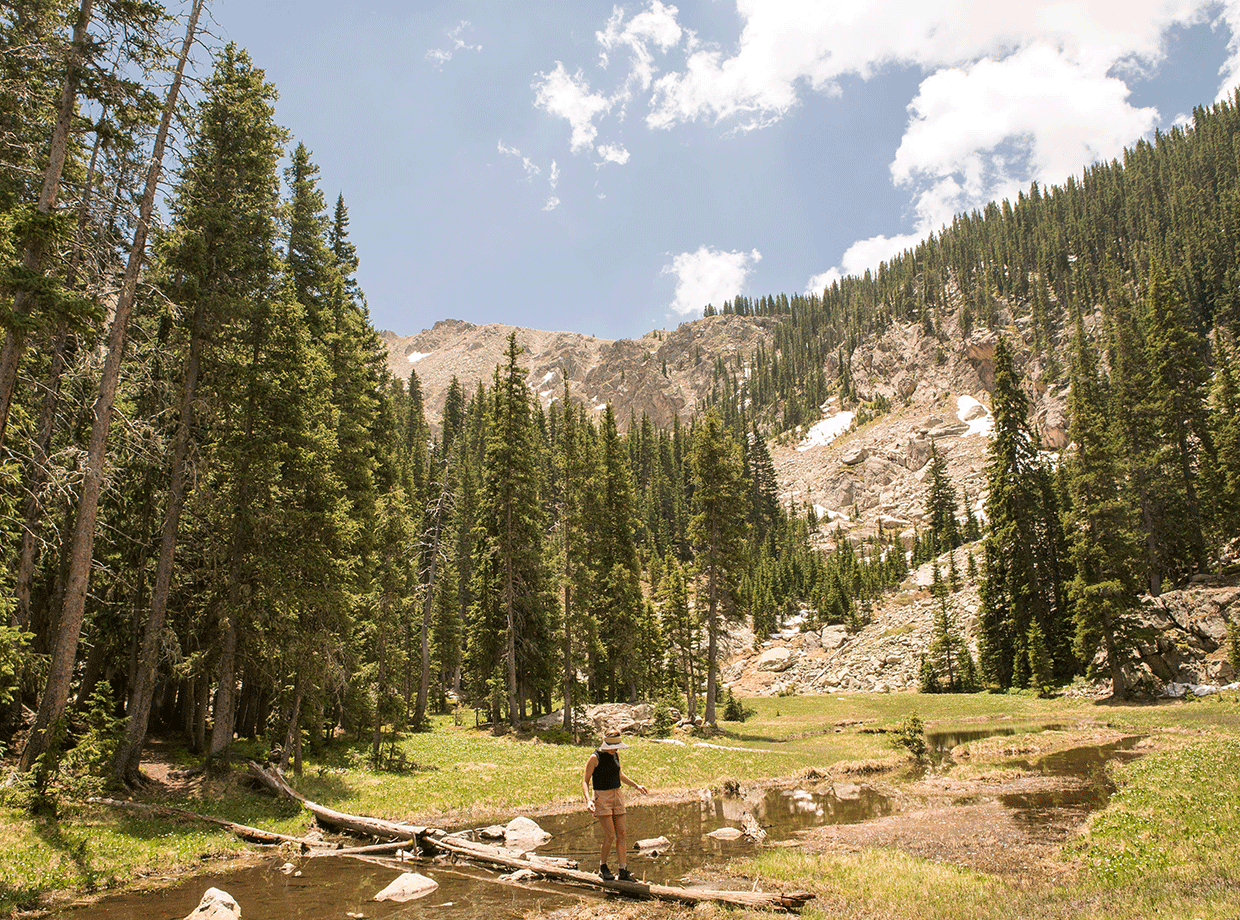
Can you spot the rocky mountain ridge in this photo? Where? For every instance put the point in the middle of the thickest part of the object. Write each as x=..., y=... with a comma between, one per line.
x=857, y=478
x=664, y=374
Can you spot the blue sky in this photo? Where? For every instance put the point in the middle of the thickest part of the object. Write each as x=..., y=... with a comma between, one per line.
x=610, y=168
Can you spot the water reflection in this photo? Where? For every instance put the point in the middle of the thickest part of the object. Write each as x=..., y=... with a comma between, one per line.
x=331, y=887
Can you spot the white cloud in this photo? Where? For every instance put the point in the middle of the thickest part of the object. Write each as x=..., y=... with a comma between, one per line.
x=787, y=46
x=613, y=153
x=656, y=26
x=568, y=96
x=1065, y=114
x=554, y=178
x=1011, y=93
x=708, y=276
x=823, y=280
x=531, y=168
x=441, y=56
x=552, y=203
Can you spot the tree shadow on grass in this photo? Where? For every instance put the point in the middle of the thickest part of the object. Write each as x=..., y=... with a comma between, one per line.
x=74, y=852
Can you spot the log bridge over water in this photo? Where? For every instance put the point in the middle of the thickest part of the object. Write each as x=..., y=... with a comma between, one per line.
x=415, y=838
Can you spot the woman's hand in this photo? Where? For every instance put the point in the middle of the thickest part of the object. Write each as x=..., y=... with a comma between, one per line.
x=590, y=805
x=640, y=788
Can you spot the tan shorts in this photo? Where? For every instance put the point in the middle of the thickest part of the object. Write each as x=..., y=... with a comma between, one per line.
x=608, y=802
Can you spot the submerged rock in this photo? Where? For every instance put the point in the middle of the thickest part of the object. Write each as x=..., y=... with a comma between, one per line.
x=407, y=887
x=216, y=905
x=524, y=834
x=652, y=843
x=726, y=833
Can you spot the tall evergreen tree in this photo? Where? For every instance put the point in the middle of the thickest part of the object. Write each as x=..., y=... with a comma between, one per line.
x=1023, y=573
x=511, y=610
x=1102, y=536
x=1178, y=377
x=718, y=531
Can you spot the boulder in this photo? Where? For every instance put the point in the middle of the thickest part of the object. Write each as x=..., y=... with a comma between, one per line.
x=633, y=720
x=916, y=453
x=652, y=843
x=952, y=429
x=523, y=834
x=973, y=410
x=778, y=658
x=407, y=887
x=216, y=905
x=833, y=637
x=854, y=455
x=726, y=833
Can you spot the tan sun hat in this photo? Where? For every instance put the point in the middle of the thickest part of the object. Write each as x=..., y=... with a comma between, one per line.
x=611, y=741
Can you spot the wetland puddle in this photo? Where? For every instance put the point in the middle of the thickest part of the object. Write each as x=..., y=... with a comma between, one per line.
x=336, y=887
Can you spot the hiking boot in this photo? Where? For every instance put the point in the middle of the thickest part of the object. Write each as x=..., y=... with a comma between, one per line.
x=605, y=874
x=625, y=875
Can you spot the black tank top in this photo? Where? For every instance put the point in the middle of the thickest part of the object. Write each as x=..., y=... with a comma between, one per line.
x=607, y=774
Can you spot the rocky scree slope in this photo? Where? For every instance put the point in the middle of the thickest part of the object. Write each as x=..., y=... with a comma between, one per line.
x=857, y=480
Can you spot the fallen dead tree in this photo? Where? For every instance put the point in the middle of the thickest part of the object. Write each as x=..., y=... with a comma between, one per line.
x=244, y=831
x=432, y=840
x=548, y=869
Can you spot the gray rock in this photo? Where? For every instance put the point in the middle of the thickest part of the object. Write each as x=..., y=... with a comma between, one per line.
x=523, y=834
x=778, y=658
x=216, y=905
x=855, y=455
x=407, y=887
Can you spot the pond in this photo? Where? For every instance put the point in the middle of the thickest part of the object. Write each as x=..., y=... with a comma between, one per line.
x=336, y=887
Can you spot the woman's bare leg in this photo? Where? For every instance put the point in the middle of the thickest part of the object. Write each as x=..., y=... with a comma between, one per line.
x=608, y=824
x=620, y=824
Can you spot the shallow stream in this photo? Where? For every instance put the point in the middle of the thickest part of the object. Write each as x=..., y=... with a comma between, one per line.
x=339, y=887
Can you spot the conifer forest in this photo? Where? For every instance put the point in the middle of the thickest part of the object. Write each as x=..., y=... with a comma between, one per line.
x=221, y=517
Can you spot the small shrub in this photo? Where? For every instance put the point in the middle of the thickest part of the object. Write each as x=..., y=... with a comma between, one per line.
x=911, y=735
x=661, y=724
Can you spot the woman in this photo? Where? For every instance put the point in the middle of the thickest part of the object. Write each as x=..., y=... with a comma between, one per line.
x=607, y=803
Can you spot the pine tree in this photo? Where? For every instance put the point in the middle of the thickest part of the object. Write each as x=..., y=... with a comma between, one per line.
x=1178, y=378
x=944, y=531
x=718, y=531
x=511, y=597
x=1225, y=431
x=1102, y=534
x=1023, y=578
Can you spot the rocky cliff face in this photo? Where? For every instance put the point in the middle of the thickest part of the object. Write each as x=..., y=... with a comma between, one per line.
x=664, y=373
x=856, y=478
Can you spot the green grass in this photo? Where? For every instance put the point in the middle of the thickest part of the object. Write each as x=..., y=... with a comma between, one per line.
x=1164, y=847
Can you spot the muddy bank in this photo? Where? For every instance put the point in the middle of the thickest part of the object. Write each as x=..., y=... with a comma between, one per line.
x=1001, y=805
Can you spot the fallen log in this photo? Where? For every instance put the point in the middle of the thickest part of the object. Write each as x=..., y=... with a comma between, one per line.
x=244, y=831
x=374, y=849
x=359, y=825
x=432, y=839
x=772, y=899
x=459, y=846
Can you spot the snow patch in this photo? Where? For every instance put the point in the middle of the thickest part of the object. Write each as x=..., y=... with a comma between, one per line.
x=826, y=431
x=981, y=423
x=416, y=356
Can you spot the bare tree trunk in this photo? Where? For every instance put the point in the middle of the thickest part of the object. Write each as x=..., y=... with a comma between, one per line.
x=36, y=248
x=36, y=477
x=225, y=713
x=376, y=743
x=437, y=512
x=64, y=653
x=712, y=645
x=568, y=652
x=294, y=732
x=129, y=751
